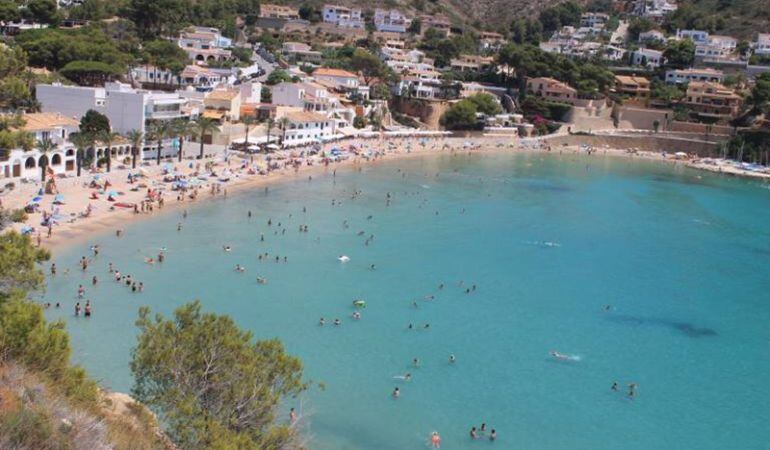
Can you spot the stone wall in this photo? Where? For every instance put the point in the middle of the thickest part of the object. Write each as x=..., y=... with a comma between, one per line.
x=643, y=143
x=427, y=111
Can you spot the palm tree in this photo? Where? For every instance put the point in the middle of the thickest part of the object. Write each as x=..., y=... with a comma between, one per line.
x=183, y=129
x=248, y=121
x=108, y=138
x=45, y=146
x=136, y=138
x=203, y=126
x=81, y=142
x=283, y=122
x=270, y=124
x=159, y=130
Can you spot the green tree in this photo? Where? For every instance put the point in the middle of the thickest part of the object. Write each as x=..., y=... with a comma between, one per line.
x=108, y=138
x=270, y=124
x=486, y=104
x=283, y=124
x=164, y=55
x=367, y=65
x=136, y=138
x=159, y=131
x=45, y=146
x=203, y=127
x=43, y=11
x=19, y=273
x=760, y=94
x=81, y=141
x=90, y=73
x=211, y=383
x=680, y=54
x=157, y=18
x=277, y=76
x=94, y=122
x=310, y=13
x=460, y=116
x=183, y=129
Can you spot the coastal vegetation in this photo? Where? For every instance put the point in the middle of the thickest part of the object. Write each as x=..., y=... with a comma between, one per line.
x=213, y=385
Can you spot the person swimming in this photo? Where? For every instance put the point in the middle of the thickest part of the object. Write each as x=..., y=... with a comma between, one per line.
x=226, y=248
x=396, y=392
x=435, y=440
x=564, y=357
x=473, y=433
x=322, y=321
x=337, y=322
x=452, y=358
x=239, y=268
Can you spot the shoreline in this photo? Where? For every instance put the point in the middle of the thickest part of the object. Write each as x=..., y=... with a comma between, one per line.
x=106, y=216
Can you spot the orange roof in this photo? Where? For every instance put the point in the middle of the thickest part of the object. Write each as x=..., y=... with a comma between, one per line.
x=328, y=72
x=45, y=121
x=306, y=116
x=222, y=95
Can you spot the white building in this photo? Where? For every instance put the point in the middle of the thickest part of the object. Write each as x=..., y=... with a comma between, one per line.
x=307, y=127
x=341, y=80
x=594, y=20
x=18, y=163
x=655, y=10
x=391, y=21
x=196, y=76
x=205, y=44
x=762, y=44
x=343, y=17
x=646, y=57
x=127, y=108
x=697, y=36
x=652, y=36
x=687, y=75
x=727, y=43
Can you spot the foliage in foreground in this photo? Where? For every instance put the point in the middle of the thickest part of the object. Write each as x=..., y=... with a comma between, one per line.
x=212, y=385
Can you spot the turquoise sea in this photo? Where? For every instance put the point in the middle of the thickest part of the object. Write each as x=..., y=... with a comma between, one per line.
x=681, y=256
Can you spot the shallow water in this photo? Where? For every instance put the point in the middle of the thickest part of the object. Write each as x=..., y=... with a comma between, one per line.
x=548, y=240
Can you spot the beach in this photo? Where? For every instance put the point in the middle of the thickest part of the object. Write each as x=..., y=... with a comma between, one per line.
x=254, y=171
x=76, y=224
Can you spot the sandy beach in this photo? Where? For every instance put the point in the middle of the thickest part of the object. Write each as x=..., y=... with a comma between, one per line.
x=142, y=197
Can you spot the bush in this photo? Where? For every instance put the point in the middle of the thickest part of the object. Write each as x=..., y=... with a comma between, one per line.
x=18, y=215
x=461, y=116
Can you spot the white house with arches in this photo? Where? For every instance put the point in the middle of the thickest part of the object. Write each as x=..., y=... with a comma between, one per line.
x=18, y=163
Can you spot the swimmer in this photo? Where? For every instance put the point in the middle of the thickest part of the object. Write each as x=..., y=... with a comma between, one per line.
x=343, y=258
x=292, y=413
x=322, y=322
x=396, y=392
x=337, y=322
x=614, y=386
x=564, y=357
x=53, y=269
x=149, y=261
x=94, y=280
x=474, y=434
x=452, y=359
x=81, y=291
x=435, y=440
x=493, y=435
x=356, y=315
x=239, y=268
x=415, y=362
x=406, y=377
x=226, y=248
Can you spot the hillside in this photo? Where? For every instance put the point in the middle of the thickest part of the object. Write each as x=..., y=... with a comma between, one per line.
x=740, y=18
x=35, y=415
